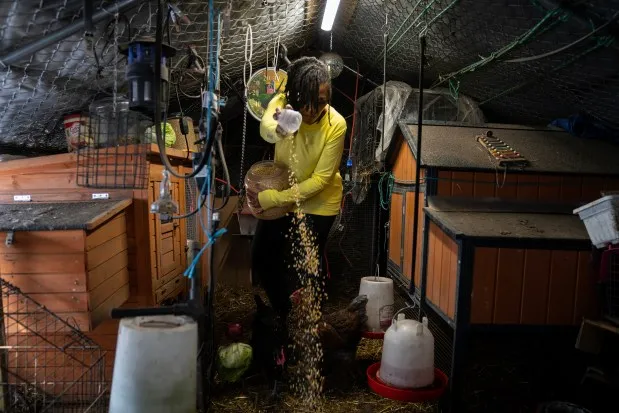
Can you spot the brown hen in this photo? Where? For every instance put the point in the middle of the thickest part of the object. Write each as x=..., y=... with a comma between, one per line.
x=340, y=333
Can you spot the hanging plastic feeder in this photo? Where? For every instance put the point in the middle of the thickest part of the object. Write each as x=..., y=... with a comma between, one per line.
x=141, y=73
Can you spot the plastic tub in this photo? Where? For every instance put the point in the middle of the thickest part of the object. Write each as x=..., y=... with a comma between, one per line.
x=600, y=219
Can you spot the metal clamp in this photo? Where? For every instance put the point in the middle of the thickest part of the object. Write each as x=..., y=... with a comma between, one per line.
x=9, y=238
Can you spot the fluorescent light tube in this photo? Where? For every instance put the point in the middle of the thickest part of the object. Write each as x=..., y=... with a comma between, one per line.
x=329, y=17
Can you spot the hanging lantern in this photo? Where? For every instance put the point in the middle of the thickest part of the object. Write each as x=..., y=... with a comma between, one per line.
x=141, y=73
x=334, y=62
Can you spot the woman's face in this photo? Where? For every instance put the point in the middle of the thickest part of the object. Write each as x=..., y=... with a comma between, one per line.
x=310, y=116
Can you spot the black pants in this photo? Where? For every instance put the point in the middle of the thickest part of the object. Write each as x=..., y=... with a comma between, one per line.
x=272, y=256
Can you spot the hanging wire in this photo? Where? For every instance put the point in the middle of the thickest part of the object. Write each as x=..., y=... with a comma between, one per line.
x=249, y=50
x=387, y=181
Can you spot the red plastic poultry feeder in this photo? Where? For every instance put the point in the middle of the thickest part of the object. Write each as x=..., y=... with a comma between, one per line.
x=425, y=394
x=373, y=335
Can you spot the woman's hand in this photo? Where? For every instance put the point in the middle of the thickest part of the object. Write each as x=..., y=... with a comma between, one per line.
x=281, y=132
x=252, y=199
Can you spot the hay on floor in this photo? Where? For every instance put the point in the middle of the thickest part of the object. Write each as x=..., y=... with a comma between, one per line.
x=236, y=305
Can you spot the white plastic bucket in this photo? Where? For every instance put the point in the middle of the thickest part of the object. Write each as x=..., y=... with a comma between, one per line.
x=155, y=369
x=379, y=308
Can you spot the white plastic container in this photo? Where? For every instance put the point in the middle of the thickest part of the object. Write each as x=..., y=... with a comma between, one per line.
x=408, y=354
x=601, y=220
x=155, y=368
x=290, y=121
x=379, y=308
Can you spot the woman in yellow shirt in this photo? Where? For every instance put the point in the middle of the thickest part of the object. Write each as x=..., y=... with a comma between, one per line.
x=313, y=154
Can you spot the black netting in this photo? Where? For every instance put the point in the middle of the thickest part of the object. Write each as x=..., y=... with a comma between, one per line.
x=512, y=57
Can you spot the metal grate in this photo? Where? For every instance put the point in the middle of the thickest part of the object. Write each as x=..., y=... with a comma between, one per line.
x=116, y=154
x=47, y=365
x=443, y=333
x=353, y=242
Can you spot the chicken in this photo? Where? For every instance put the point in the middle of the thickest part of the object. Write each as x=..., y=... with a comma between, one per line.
x=340, y=330
x=268, y=340
x=340, y=334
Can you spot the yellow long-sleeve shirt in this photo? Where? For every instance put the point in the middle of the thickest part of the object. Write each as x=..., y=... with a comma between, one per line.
x=313, y=154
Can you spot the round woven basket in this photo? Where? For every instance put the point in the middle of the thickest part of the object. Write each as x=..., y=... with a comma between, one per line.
x=268, y=175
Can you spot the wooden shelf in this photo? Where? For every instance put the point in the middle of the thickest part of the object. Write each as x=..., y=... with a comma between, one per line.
x=170, y=152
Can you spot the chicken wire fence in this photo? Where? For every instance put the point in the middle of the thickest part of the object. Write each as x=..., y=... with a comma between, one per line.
x=67, y=76
x=527, y=61
x=46, y=364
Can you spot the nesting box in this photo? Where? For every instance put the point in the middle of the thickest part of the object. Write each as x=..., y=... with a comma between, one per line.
x=498, y=247
x=70, y=257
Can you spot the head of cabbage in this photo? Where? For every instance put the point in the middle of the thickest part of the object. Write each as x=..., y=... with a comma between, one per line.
x=233, y=361
x=167, y=130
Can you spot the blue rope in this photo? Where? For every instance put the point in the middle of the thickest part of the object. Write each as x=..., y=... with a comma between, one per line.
x=205, y=190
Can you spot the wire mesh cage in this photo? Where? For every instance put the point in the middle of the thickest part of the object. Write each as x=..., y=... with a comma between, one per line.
x=115, y=148
x=47, y=365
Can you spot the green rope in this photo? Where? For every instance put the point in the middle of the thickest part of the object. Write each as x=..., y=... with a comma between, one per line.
x=539, y=28
x=454, y=89
x=385, y=198
x=602, y=41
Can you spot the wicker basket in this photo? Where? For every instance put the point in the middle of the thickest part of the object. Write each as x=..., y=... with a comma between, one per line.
x=181, y=143
x=268, y=175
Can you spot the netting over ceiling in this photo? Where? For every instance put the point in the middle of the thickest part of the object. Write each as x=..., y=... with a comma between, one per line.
x=65, y=77
x=522, y=60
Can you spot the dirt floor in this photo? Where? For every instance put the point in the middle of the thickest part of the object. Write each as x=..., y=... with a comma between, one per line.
x=235, y=304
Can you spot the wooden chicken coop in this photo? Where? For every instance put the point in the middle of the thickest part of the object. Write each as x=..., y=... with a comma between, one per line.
x=134, y=252
x=69, y=257
x=498, y=247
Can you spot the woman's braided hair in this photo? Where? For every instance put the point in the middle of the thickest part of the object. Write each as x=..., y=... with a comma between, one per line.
x=305, y=75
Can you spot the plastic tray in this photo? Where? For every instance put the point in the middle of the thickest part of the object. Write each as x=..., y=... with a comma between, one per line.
x=425, y=394
x=600, y=219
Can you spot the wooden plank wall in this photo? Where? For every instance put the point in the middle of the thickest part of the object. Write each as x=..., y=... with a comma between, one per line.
x=512, y=185
x=532, y=287
x=107, y=266
x=77, y=277
x=442, y=271
x=404, y=173
x=395, y=228
x=404, y=165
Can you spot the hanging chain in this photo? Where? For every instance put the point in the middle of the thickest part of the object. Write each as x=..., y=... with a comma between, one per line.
x=331, y=40
x=249, y=50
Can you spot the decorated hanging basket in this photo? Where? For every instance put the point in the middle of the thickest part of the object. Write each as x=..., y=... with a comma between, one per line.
x=261, y=87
